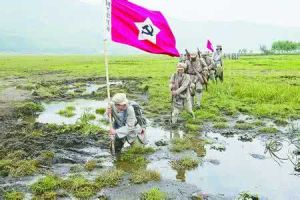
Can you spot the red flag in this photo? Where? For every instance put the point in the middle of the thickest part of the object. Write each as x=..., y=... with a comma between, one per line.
x=210, y=46
x=141, y=28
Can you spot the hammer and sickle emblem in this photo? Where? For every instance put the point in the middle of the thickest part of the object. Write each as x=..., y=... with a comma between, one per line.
x=148, y=30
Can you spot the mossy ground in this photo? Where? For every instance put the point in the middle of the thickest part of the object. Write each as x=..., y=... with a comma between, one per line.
x=134, y=158
x=109, y=178
x=268, y=130
x=244, y=126
x=80, y=187
x=185, y=163
x=18, y=168
x=154, y=194
x=28, y=109
x=90, y=165
x=77, y=185
x=221, y=125
x=189, y=143
x=144, y=176
x=14, y=195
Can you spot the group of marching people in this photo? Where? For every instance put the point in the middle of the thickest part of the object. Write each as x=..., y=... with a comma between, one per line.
x=194, y=71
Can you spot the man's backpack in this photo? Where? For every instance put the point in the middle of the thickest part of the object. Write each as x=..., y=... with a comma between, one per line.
x=141, y=120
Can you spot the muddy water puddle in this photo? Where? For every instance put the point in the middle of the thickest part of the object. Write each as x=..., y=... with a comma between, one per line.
x=50, y=115
x=243, y=166
x=90, y=88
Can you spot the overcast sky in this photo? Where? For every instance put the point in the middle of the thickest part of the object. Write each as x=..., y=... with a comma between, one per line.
x=274, y=12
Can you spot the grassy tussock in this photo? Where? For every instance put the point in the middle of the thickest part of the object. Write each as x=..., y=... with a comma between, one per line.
x=185, y=163
x=220, y=125
x=109, y=178
x=134, y=158
x=90, y=165
x=188, y=143
x=268, y=130
x=14, y=195
x=69, y=111
x=28, y=109
x=154, y=194
x=144, y=176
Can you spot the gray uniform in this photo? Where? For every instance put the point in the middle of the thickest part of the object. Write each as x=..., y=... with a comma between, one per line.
x=211, y=67
x=217, y=57
x=125, y=124
x=180, y=84
x=194, y=68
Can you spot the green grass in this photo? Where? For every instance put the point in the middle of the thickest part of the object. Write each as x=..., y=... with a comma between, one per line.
x=46, y=158
x=28, y=109
x=247, y=195
x=90, y=165
x=185, y=163
x=87, y=116
x=134, y=158
x=244, y=126
x=259, y=123
x=220, y=125
x=265, y=86
x=268, y=130
x=18, y=155
x=18, y=168
x=14, y=195
x=45, y=196
x=144, y=176
x=49, y=183
x=100, y=111
x=180, y=144
x=109, y=178
x=69, y=111
x=80, y=187
x=281, y=122
x=154, y=194
x=188, y=143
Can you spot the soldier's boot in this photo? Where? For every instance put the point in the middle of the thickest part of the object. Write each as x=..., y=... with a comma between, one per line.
x=175, y=114
x=212, y=78
x=118, y=145
x=199, y=98
x=222, y=77
x=193, y=115
x=193, y=101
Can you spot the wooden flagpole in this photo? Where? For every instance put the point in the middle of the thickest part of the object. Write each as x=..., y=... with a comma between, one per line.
x=107, y=17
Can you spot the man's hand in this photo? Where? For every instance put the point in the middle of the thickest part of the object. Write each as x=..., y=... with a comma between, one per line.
x=174, y=93
x=112, y=132
x=108, y=110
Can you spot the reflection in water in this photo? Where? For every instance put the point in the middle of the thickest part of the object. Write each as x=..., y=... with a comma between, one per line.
x=238, y=170
x=176, y=133
x=180, y=175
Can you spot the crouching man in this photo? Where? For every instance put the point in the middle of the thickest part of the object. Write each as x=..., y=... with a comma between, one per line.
x=126, y=125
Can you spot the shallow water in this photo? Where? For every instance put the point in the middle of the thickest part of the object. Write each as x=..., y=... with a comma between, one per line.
x=243, y=166
x=237, y=170
x=50, y=115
